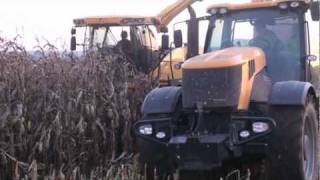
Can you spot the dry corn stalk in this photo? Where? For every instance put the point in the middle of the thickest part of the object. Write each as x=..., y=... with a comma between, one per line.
x=66, y=118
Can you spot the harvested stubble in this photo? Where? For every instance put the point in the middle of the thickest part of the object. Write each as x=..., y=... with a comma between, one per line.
x=65, y=118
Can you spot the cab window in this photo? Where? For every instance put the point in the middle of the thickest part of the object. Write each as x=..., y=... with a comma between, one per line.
x=243, y=33
x=216, y=38
x=98, y=36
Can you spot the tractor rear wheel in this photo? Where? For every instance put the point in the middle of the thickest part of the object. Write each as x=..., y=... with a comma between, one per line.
x=293, y=147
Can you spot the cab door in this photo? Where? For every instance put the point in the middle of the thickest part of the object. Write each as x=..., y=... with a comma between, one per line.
x=146, y=48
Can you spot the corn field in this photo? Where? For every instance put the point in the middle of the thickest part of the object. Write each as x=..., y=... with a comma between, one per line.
x=63, y=117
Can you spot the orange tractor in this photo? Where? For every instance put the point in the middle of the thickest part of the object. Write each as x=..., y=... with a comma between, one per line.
x=246, y=108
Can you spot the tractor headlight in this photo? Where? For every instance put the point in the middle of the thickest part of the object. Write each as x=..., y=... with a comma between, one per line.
x=295, y=4
x=223, y=10
x=145, y=129
x=213, y=11
x=283, y=5
x=260, y=127
x=161, y=135
x=244, y=134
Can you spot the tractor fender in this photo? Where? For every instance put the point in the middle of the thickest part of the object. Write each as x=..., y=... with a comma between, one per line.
x=162, y=100
x=290, y=93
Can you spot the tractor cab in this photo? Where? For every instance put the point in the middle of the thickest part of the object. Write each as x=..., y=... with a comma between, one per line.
x=134, y=37
x=281, y=31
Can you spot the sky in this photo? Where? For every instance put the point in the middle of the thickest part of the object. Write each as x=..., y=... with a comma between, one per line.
x=48, y=20
x=52, y=20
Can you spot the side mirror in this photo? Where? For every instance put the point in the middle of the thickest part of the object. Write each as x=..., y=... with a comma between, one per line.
x=178, y=38
x=165, y=42
x=73, y=43
x=315, y=10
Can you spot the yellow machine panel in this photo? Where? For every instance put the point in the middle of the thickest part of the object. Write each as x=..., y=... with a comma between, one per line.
x=160, y=21
x=232, y=57
x=115, y=21
x=165, y=71
x=226, y=58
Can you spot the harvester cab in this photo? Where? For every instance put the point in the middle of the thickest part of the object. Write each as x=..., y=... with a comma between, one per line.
x=134, y=36
x=247, y=108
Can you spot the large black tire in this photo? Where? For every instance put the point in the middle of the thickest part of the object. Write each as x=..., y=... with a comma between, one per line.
x=152, y=173
x=196, y=175
x=294, y=144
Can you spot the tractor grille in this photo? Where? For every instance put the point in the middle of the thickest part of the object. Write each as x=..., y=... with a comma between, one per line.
x=213, y=88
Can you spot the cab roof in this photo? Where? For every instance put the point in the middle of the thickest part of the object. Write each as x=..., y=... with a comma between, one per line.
x=161, y=20
x=255, y=4
x=115, y=21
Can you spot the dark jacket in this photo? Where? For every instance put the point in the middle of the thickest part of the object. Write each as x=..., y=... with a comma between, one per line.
x=125, y=46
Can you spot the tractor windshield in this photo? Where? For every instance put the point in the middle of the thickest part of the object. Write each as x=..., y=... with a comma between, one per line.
x=108, y=36
x=276, y=33
x=104, y=36
x=138, y=43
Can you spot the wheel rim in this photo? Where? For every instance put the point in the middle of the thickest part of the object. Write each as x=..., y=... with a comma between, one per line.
x=308, y=149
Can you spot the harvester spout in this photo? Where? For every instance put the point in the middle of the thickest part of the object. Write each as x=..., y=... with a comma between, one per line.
x=166, y=15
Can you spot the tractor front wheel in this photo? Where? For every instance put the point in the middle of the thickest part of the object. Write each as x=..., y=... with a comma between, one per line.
x=293, y=146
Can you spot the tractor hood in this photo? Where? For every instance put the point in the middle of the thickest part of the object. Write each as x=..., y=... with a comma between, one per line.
x=222, y=79
x=225, y=58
